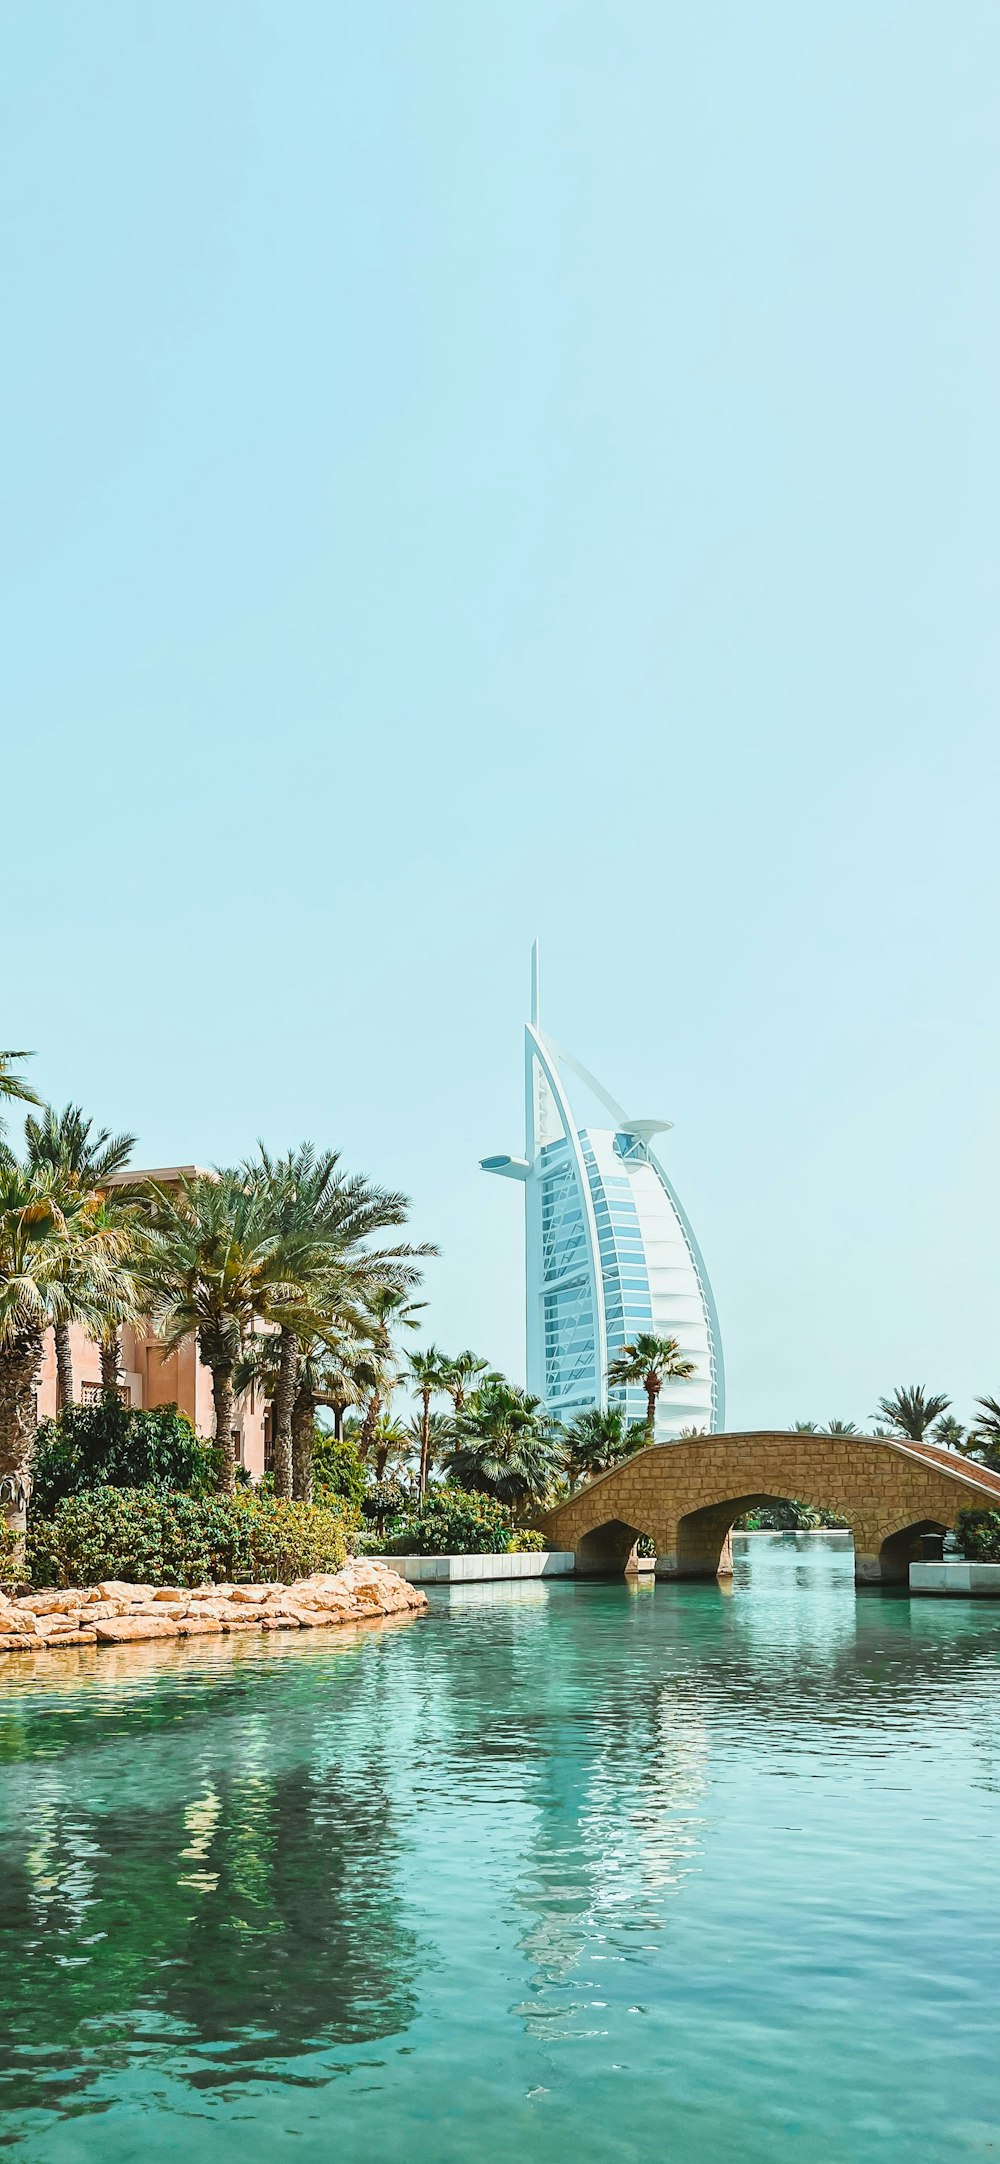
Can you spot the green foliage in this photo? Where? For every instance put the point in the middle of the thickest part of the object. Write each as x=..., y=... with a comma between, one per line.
x=910, y=1412
x=597, y=1440
x=11, y=1569
x=109, y=1446
x=978, y=1535
x=790, y=1517
x=526, y=1542
x=453, y=1522
x=385, y=1500
x=153, y=1537
x=337, y=1470
x=505, y=1445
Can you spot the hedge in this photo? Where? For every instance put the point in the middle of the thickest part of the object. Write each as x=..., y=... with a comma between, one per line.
x=978, y=1535
x=155, y=1537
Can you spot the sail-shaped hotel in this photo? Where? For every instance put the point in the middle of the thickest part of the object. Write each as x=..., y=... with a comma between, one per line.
x=608, y=1249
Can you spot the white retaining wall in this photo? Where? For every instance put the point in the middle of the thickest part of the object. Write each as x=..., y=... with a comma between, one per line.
x=982, y=1579
x=475, y=1569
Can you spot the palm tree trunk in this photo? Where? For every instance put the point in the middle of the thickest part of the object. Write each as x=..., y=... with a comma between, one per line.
x=222, y=1393
x=111, y=1359
x=425, y=1437
x=652, y=1393
x=338, y=1422
x=284, y=1399
x=369, y=1425
x=64, y=1367
x=19, y=1365
x=303, y=1417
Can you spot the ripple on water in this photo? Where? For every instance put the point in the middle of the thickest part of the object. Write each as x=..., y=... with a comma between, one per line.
x=578, y=1873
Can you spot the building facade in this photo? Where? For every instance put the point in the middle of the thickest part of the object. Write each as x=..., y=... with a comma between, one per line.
x=609, y=1251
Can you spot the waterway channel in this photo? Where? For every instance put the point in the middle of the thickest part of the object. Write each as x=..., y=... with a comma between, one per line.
x=574, y=1873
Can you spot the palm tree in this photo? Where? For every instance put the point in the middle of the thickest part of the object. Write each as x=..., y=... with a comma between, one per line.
x=388, y=1311
x=462, y=1374
x=505, y=1445
x=651, y=1361
x=66, y=1145
x=429, y=1376
x=215, y=1272
x=840, y=1427
x=393, y=1442
x=49, y=1254
x=32, y=1241
x=598, y=1439
x=984, y=1435
x=350, y=1375
x=911, y=1412
x=13, y=1087
x=803, y=1427
x=322, y=1218
x=948, y=1432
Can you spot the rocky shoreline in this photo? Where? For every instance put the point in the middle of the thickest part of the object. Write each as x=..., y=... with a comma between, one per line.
x=116, y=1611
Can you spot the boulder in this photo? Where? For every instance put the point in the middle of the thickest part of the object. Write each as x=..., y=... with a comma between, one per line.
x=115, y=1629
x=50, y=1603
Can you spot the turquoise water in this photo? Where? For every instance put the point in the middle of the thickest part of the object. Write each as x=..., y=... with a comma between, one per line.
x=583, y=1873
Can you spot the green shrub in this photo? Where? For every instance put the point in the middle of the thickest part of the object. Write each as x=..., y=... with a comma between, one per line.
x=337, y=1469
x=11, y=1571
x=159, y=1538
x=452, y=1522
x=525, y=1542
x=978, y=1535
x=386, y=1500
x=109, y=1446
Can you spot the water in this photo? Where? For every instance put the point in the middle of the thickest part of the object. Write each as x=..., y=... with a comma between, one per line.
x=581, y=1874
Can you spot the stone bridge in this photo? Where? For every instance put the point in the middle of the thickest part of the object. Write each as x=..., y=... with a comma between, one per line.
x=685, y=1497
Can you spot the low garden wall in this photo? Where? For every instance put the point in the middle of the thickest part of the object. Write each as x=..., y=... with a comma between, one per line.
x=116, y=1610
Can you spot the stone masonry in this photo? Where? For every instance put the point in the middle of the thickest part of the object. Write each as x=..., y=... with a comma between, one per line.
x=685, y=1497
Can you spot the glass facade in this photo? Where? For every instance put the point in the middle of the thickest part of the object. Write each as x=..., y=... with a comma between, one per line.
x=609, y=1253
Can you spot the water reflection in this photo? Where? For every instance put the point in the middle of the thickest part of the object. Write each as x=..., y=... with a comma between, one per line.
x=552, y=1870
x=229, y=1889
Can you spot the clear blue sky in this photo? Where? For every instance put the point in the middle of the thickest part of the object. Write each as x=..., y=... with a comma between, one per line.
x=473, y=470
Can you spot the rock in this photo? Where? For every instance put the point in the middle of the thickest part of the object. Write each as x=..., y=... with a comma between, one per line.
x=48, y=1603
x=118, y=1611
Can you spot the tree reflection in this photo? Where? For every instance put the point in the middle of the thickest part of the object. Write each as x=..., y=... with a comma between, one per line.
x=232, y=1931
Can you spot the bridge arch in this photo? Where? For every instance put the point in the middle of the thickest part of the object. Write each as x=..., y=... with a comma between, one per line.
x=608, y=1550
x=686, y=1495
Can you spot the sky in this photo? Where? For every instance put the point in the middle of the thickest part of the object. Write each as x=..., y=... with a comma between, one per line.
x=530, y=468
